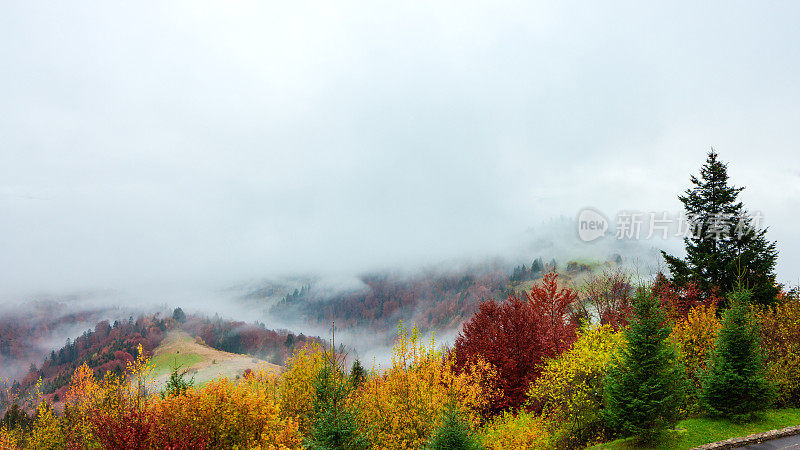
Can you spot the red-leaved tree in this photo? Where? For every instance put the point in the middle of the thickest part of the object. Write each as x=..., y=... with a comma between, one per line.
x=607, y=298
x=552, y=305
x=516, y=335
x=678, y=301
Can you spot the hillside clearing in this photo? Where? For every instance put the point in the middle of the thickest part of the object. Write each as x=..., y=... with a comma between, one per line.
x=203, y=363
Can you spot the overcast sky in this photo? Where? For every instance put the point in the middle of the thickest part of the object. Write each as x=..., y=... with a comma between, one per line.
x=154, y=142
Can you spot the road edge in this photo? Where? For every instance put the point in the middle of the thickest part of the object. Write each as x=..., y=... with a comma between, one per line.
x=751, y=439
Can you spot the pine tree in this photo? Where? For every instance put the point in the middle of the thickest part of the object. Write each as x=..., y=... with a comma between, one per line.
x=357, y=374
x=453, y=433
x=334, y=424
x=736, y=384
x=723, y=240
x=178, y=315
x=644, y=388
x=177, y=384
x=536, y=266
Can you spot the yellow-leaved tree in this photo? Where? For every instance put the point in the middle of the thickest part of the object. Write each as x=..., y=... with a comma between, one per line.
x=780, y=334
x=401, y=406
x=570, y=388
x=227, y=413
x=297, y=393
x=693, y=337
x=46, y=433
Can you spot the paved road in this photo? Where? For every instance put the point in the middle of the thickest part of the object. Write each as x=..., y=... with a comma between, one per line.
x=791, y=442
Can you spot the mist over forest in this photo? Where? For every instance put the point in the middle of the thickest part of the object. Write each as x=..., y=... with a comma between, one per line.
x=251, y=178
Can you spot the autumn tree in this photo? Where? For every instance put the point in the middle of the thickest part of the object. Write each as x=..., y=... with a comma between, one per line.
x=552, y=304
x=297, y=393
x=402, y=406
x=780, y=337
x=571, y=388
x=521, y=430
x=606, y=298
x=516, y=335
x=677, y=301
x=724, y=248
x=693, y=337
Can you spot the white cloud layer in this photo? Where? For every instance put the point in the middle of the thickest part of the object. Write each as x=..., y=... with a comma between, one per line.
x=199, y=142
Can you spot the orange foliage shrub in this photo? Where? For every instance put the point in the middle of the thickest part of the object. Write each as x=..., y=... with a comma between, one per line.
x=226, y=414
x=297, y=384
x=402, y=405
x=116, y=413
x=523, y=430
x=694, y=336
x=780, y=334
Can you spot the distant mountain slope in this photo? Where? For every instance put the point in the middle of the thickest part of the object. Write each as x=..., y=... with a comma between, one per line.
x=28, y=332
x=431, y=301
x=434, y=301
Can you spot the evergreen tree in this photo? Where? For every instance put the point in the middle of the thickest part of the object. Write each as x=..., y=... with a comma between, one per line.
x=644, y=388
x=453, y=433
x=357, y=374
x=289, y=340
x=334, y=424
x=723, y=239
x=178, y=315
x=735, y=384
x=536, y=266
x=177, y=384
x=16, y=417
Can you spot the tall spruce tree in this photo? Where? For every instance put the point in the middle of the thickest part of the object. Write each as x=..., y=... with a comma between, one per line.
x=736, y=384
x=724, y=249
x=644, y=388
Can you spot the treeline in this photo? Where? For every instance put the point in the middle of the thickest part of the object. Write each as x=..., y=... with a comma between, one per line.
x=521, y=274
x=433, y=301
x=254, y=339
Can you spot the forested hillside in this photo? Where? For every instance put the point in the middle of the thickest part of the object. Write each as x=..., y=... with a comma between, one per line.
x=435, y=300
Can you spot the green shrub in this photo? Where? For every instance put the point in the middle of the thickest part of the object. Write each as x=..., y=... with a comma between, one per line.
x=453, y=433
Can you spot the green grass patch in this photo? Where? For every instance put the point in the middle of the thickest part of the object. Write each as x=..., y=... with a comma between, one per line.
x=693, y=432
x=165, y=362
